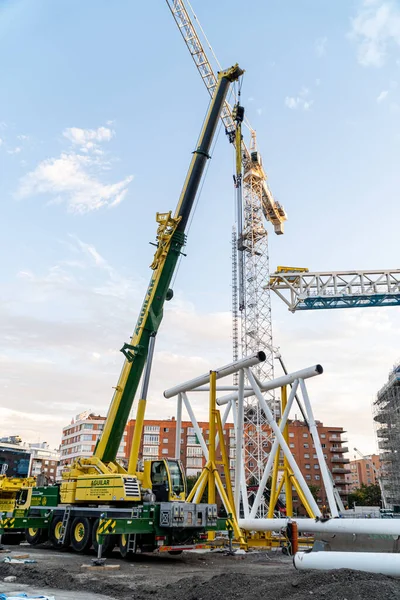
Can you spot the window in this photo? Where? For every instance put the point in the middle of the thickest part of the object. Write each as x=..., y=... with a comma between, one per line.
x=150, y=451
x=323, y=435
x=317, y=477
x=305, y=445
x=251, y=464
x=46, y=462
x=291, y=434
x=86, y=438
x=290, y=445
x=166, y=429
x=323, y=445
x=194, y=451
x=194, y=462
x=333, y=435
x=84, y=448
x=305, y=435
x=307, y=466
x=306, y=456
x=88, y=426
x=150, y=439
x=165, y=450
x=308, y=476
x=182, y=430
x=152, y=428
x=316, y=467
x=165, y=441
x=315, y=456
x=192, y=440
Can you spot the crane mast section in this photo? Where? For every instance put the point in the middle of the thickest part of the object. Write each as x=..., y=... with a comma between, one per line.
x=272, y=210
x=170, y=240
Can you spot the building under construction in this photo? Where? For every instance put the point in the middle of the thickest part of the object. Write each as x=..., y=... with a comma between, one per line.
x=387, y=418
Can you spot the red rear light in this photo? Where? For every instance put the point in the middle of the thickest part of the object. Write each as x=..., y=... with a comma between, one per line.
x=203, y=536
x=160, y=538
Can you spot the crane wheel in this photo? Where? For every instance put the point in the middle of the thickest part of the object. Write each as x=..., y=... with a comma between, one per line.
x=109, y=540
x=81, y=534
x=55, y=533
x=175, y=552
x=36, y=536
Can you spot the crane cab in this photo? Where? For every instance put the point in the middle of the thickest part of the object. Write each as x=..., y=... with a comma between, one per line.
x=166, y=478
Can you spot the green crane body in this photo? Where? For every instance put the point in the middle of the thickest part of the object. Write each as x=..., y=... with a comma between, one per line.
x=170, y=241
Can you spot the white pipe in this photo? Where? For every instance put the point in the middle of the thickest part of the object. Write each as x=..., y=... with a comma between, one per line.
x=285, y=448
x=271, y=456
x=224, y=371
x=239, y=442
x=276, y=383
x=368, y=526
x=220, y=388
x=371, y=562
x=195, y=425
x=318, y=449
x=178, y=427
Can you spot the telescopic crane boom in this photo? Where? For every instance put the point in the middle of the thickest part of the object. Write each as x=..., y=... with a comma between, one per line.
x=170, y=240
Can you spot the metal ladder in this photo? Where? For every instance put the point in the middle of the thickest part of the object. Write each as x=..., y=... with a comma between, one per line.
x=132, y=545
x=64, y=524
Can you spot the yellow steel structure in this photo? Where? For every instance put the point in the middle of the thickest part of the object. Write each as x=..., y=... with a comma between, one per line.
x=210, y=476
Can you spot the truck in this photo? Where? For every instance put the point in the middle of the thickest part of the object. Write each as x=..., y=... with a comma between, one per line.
x=99, y=502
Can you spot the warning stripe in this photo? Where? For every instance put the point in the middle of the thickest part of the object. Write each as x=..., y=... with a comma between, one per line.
x=107, y=526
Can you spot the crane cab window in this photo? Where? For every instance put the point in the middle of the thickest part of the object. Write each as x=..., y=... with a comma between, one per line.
x=159, y=472
x=175, y=472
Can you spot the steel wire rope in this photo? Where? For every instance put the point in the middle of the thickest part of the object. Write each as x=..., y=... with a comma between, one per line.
x=198, y=195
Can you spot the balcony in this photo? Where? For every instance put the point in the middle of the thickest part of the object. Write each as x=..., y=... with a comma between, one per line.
x=340, y=459
x=340, y=470
x=337, y=440
x=339, y=449
x=341, y=482
x=343, y=493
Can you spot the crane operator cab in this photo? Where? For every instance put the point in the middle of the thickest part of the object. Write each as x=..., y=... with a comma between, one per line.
x=168, y=482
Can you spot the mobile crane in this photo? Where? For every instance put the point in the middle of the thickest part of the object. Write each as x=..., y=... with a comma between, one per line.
x=98, y=496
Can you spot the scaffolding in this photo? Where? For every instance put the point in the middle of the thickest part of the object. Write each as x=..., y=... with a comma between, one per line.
x=386, y=408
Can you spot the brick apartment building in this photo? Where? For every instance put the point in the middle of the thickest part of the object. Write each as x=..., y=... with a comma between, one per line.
x=362, y=472
x=158, y=441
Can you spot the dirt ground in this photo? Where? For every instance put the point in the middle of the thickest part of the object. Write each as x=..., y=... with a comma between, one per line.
x=194, y=576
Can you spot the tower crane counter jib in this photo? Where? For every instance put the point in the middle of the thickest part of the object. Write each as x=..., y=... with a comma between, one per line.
x=138, y=352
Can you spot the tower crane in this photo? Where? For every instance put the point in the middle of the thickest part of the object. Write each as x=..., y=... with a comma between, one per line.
x=251, y=305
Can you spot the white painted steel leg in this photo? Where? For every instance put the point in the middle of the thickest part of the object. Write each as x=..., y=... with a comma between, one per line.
x=285, y=448
x=318, y=449
x=178, y=427
x=195, y=424
x=245, y=499
x=274, y=449
x=239, y=442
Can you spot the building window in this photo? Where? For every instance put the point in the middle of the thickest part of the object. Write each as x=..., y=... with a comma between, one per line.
x=323, y=435
x=151, y=439
x=166, y=429
x=305, y=445
x=150, y=450
x=192, y=440
x=194, y=451
x=306, y=456
x=308, y=476
x=251, y=464
x=305, y=435
x=307, y=466
x=165, y=450
x=165, y=441
x=317, y=477
x=290, y=445
x=152, y=428
x=86, y=438
x=323, y=445
x=194, y=462
x=315, y=456
x=316, y=467
x=88, y=426
x=291, y=434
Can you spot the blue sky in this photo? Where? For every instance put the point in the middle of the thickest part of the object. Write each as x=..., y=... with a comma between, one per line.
x=100, y=109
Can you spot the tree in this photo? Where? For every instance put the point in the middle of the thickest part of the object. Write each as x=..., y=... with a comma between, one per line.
x=314, y=489
x=366, y=495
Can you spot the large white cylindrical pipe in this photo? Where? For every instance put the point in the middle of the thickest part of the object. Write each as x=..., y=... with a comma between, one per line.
x=275, y=383
x=371, y=562
x=368, y=526
x=244, y=363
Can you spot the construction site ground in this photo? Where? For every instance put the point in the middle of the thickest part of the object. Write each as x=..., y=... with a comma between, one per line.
x=191, y=576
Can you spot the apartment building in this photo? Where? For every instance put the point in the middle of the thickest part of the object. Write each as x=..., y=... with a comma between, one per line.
x=44, y=461
x=79, y=438
x=364, y=471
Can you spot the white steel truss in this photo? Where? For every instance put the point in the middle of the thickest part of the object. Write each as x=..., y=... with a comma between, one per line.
x=258, y=203
x=339, y=289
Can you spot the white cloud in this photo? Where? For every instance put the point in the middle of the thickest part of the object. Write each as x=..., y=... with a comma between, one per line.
x=302, y=101
x=88, y=139
x=16, y=150
x=376, y=29
x=1, y=141
x=22, y=137
x=74, y=178
x=320, y=46
x=382, y=95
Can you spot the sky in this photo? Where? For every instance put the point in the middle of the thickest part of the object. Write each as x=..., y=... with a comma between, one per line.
x=100, y=109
